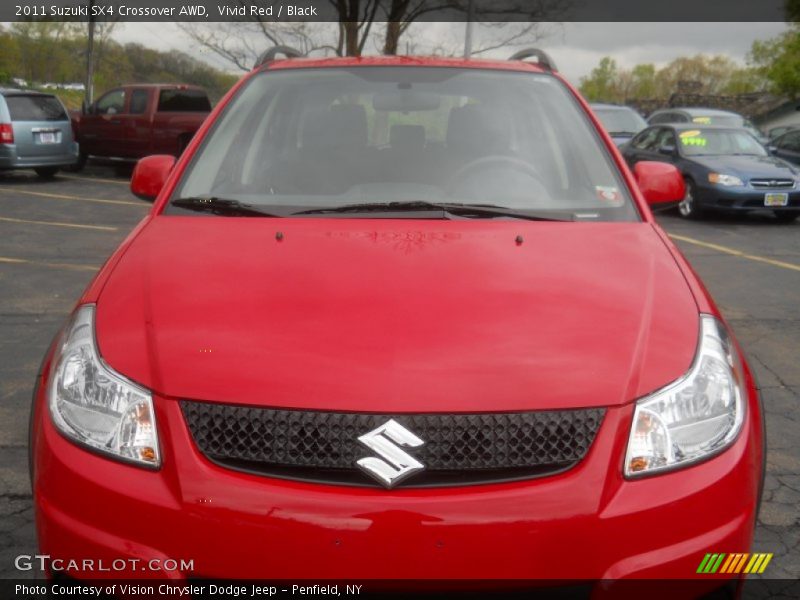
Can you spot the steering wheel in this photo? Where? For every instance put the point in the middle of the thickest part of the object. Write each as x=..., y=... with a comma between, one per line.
x=490, y=162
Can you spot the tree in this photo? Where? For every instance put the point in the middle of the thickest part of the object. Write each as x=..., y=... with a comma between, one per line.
x=778, y=61
x=602, y=83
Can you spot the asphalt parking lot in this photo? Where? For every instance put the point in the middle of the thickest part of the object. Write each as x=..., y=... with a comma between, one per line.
x=54, y=235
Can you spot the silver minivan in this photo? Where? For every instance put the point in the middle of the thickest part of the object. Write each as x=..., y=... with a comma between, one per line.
x=35, y=133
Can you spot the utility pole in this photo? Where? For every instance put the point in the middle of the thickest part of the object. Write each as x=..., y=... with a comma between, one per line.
x=468, y=29
x=89, y=91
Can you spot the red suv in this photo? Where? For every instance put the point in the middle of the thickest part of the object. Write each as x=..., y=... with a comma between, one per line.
x=397, y=318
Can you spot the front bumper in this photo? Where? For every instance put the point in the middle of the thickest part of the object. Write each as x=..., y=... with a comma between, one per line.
x=586, y=523
x=745, y=198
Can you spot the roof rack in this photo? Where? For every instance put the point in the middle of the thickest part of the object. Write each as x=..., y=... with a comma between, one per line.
x=541, y=56
x=270, y=55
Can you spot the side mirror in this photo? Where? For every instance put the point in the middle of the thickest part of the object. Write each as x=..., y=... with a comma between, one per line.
x=772, y=149
x=150, y=174
x=668, y=150
x=659, y=182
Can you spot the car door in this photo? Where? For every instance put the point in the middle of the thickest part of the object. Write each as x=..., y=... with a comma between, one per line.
x=787, y=147
x=100, y=128
x=643, y=146
x=135, y=124
x=666, y=146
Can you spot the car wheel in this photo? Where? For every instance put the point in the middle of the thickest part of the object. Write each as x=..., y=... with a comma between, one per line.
x=46, y=172
x=78, y=166
x=688, y=207
x=786, y=217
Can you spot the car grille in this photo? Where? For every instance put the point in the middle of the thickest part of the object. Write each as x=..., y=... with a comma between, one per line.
x=772, y=183
x=459, y=449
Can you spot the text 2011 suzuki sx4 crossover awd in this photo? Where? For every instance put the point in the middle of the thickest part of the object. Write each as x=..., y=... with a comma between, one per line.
x=398, y=318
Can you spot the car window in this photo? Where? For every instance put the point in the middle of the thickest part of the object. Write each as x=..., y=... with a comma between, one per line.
x=620, y=120
x=336, y=136
x=138, y=105
x=647, y=139
x=176, y=100
x=790, y=142
x=666, y=138
x=719, y=142
x=112, y=103
x=659, y=118
x=35, y=108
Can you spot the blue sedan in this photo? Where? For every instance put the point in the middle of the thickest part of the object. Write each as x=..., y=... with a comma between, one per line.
x=725, y=169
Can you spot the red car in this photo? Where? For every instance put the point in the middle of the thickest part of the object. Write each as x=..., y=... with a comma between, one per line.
x=403, y=318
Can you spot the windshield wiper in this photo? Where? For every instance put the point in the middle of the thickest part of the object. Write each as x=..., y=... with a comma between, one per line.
x=619, y=133
x=220, y=206
x=485, y=210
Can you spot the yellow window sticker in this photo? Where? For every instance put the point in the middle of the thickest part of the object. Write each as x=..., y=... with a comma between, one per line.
x=704, y=120
x=690, y=133
x=694, y=141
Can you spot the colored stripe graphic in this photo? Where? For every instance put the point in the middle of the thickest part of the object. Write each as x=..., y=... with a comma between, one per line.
x=767, y=558
x=701, y=568
x=717, y=563
x=734, y=563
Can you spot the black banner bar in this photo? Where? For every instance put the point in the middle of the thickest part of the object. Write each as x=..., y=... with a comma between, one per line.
x=425, y=10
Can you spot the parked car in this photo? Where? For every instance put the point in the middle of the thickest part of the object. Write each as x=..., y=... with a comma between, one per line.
x=705, y=116
x=133, y=121
x=777, y=132
x=395, y=318
x=621, y=122
x=787, y=147
x=725, y=169
x=35, y=133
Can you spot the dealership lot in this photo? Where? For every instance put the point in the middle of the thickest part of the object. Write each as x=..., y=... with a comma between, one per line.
x=54, y=235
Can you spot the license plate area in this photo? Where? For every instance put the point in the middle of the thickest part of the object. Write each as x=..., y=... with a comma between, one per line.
x=48, y=137
x=776, y=199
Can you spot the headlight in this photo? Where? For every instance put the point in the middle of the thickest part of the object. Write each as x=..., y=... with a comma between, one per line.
x=93, y=405
x=726, y=180
x=695, y=417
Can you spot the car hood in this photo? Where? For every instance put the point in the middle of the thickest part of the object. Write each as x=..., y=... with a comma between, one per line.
x=388, y=315
x=748, y=167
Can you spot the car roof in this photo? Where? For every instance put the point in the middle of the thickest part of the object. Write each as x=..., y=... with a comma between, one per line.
x=678, y=127
x=187, y=86
x=404, y=61
x=19, y=92
x=702, y=112
x=606, y=106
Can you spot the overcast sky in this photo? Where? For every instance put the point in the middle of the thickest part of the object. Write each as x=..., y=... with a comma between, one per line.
x=575, y=47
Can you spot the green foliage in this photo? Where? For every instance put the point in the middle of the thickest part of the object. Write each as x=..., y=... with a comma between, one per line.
x=700, y=74
x=778, y=61
x=55, y=52
x=601, y=84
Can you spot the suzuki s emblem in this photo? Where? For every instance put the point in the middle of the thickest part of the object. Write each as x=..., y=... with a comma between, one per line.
x=394, y=464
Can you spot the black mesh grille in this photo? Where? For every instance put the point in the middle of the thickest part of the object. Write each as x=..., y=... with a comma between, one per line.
x=459, y=448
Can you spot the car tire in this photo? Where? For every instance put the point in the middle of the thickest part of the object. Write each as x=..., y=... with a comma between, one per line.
x=688, y=208
x=78, y=166
x=46, y=172
x=786, y=217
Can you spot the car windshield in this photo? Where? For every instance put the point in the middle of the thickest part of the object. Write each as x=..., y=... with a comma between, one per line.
x=296, y=140
x=617, y=120
x=706, y=142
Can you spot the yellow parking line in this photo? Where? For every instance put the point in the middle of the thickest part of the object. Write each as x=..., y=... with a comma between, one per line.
x=59, y=224
x=66, y=197
x=739, y=253
x=100, y=179
x=38, y=263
